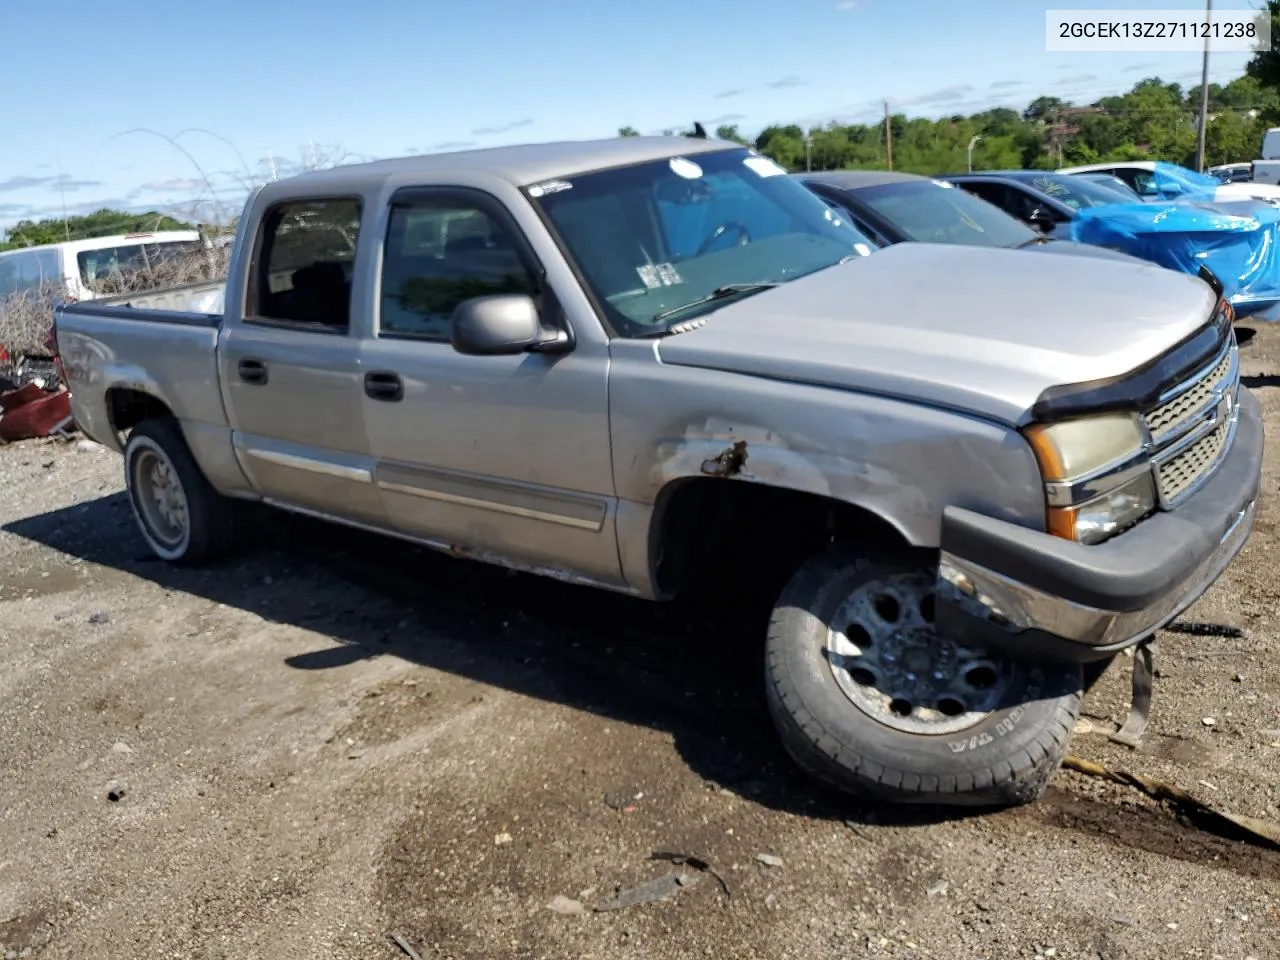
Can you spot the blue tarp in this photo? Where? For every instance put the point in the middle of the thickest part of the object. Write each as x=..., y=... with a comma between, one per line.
x=1239, y=242
x=1172, y=181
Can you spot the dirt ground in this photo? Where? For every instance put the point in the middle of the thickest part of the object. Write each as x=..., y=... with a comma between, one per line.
x=334, y=738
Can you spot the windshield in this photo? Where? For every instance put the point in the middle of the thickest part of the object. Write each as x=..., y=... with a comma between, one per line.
x=930, y=212
x=652, y=237
x=1073, y=191
x=1123, y=192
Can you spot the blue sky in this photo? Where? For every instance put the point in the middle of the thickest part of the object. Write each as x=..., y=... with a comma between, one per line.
x=378, y=78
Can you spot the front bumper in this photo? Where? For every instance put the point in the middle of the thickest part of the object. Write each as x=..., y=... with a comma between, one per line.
x=1041, y=597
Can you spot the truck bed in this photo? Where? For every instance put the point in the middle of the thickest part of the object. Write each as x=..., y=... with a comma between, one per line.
x=140, y=343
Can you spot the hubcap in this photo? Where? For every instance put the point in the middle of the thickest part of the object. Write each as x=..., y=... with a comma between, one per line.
x=888, y=659
x=160, y=498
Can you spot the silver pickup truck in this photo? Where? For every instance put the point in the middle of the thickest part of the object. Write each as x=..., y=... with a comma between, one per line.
x=619, y=362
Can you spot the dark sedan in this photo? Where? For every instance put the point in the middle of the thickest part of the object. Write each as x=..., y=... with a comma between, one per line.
x=1039, y=198
x=901, y=207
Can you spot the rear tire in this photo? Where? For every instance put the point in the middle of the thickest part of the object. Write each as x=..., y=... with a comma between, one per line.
x=181, y=517
x=868, y=698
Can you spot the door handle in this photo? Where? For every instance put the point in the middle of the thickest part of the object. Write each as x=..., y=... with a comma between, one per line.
x=383, y=385
x=252, y=371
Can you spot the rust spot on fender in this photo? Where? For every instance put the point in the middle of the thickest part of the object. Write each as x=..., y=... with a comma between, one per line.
x=728, y=463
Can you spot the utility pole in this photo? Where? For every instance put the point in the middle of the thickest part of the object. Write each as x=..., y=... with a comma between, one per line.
x=973, y=141
x=808, y=152
x=1204, y=91
x=888, y=135
x=62, y=188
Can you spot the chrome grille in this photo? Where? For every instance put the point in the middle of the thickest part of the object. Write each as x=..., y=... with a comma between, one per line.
x=1191, y=426
x=1167, y=418
x=1179, y=473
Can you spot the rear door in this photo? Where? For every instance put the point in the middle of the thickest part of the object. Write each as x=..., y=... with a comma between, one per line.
x=290, y=365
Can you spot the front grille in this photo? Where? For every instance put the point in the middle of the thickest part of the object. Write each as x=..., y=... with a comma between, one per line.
x=1191, y=427
x=1167, y=418
x=1180, y=472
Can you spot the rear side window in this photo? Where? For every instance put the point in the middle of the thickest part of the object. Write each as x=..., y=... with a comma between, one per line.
x=991, y=192
x=140, y=266
x=306, y=258
x=107, y=265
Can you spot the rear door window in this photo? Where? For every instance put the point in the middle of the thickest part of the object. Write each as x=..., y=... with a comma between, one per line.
x=305, y=262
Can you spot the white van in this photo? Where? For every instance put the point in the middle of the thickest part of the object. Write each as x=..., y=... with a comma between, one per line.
x=77, y=266
x=1266, y=169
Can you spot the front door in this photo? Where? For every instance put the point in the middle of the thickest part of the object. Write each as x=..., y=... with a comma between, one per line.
x=505, y=456
x=290, y=367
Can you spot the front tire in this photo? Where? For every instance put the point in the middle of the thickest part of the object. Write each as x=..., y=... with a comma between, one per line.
x=182, y=518
x=870, y=699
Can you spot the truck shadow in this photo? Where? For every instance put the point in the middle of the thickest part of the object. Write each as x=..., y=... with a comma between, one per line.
x=692, y=668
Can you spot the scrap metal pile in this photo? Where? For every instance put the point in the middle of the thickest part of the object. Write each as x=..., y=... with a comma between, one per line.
x=33, y=400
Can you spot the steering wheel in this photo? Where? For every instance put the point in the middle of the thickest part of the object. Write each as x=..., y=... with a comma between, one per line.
x=744, y=235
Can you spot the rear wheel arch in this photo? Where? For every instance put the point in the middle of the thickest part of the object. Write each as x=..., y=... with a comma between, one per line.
x=128, y=406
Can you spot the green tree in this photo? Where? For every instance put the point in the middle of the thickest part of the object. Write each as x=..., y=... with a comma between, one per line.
x=1265, y=64
x=1042, y=109
x=729, y=131
x=628, y=132
x=1231, y=137
x=1153, y=120
x=101, y=223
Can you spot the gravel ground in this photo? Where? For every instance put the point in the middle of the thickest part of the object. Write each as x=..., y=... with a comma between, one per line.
x=334, y=738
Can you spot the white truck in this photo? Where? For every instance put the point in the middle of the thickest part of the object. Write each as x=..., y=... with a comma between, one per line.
x=78, y=268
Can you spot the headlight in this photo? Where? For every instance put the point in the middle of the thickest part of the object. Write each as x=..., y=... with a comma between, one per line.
x=1097, y=475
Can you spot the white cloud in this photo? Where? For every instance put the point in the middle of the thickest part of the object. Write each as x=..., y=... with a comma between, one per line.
x=176, y=185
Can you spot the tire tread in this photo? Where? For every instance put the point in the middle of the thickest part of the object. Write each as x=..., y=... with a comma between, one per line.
x=1018, y=778
x=211, y=515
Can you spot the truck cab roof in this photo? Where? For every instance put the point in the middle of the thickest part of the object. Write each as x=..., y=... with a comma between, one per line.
x=522, y=164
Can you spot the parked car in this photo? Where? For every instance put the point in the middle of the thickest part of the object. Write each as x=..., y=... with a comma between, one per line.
x=1232, y=172
x=1157, y=180
x=1238, y=241
x=620, y=362
x=899, y=207
x=1041, y=199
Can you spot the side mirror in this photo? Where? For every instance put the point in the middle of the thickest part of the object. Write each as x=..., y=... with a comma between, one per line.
x=502, y=324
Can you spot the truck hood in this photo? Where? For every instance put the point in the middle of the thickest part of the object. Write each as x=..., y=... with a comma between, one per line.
x=1064, y=245
x=970, y=328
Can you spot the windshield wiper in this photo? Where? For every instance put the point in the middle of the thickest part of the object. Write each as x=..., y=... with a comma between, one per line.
x=719, y=293
x=1042, y=239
